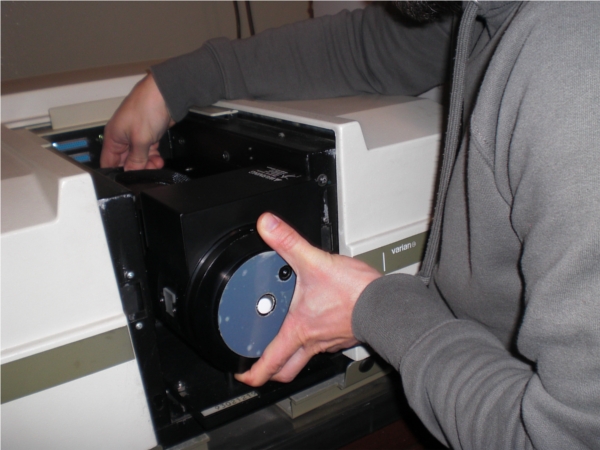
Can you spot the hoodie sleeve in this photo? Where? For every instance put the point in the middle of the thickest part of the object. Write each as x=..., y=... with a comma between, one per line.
x=366, y=51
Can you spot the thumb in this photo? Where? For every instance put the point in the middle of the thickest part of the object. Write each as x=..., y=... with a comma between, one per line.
x=138, y=156
x=286, y=241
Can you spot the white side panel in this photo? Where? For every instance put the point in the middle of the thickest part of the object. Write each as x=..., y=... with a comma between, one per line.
x=84, y=114
x=58, y=283
x=21, y=107
x=386, y=188
x=105, y=410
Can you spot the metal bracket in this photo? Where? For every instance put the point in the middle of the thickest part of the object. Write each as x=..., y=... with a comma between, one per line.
x=358, y=374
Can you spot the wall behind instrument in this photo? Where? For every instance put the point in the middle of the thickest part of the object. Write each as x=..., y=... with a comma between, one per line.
x=41, y=38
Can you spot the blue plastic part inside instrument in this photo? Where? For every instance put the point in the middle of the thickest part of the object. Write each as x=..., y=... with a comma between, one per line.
x=67, y=146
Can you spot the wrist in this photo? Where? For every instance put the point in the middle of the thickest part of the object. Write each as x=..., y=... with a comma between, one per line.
x=193, y=79
x=394, y=311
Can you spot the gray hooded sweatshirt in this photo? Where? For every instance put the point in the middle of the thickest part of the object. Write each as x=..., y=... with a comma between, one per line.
x=501, y=348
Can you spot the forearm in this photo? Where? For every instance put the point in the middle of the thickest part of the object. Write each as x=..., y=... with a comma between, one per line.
x=350, y=53
x=466, y=387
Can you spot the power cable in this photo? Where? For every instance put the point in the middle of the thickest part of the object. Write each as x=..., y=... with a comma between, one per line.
x=238, y=23
x=249, y=15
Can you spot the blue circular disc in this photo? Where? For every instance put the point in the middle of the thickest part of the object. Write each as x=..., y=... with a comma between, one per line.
x=254, y=304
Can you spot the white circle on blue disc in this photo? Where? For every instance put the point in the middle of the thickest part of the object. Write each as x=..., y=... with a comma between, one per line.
x=247, y=321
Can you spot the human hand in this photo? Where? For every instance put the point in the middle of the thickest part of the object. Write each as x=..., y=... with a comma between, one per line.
x=320, y=314
x=132, y=134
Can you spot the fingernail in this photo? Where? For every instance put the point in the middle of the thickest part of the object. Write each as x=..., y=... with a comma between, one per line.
x=270, y=222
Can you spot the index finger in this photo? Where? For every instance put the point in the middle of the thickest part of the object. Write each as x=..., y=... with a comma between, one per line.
x=275, y=357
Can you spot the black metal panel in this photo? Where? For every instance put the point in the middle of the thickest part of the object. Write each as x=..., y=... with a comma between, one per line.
x=160, y=225
x=125, y=245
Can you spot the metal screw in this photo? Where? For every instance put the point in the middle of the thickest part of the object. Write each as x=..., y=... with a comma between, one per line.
x=322, y=180
x=181, y=141
x=130, y=275
x=285, y=273
x=189, y=169
x=226, y=156
x=281, y=135
x=139, y=326
x=366, y=365
x=180, y=386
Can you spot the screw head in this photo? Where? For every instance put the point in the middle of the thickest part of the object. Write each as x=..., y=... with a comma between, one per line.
x=322, y=180
x=285, y=273
x=130, y=275
x=139, y=326
x=366, y=365
x=226, y=156
x=281, y=135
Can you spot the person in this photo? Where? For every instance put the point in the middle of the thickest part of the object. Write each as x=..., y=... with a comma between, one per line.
x=498, y=339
